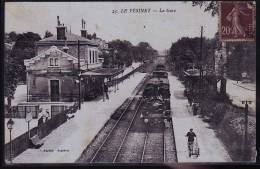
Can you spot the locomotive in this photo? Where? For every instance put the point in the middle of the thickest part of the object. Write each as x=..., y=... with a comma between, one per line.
x=157, y=89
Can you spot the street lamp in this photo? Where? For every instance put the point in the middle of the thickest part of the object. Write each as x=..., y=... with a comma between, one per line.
x=117, y=83
x=246, y=102
x=115, y=80
x=114, y=56
x=10, y=124
x=79, y=88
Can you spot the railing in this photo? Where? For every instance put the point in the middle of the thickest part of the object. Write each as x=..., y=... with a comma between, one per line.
x=21, y=110
x=21, y=143
x=118, y=80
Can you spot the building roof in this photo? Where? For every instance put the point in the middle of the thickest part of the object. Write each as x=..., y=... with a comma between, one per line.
x=28, y=62
x=70, y=37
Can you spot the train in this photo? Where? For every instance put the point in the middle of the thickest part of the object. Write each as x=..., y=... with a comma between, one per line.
x=157, y=88
x=160, y=67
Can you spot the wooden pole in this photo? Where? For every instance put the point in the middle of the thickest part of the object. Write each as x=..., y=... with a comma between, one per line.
x=200, y=59
x=10, y=145
x=79, y=71
x=246, y=131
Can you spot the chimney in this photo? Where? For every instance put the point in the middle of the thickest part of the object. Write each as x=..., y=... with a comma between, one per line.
x=65, y=47
x=94, y=36
x=83, y=30
x=61, y=30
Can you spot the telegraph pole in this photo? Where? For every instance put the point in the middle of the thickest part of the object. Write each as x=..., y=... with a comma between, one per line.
x=200, y=59
x=79, y=73
x=200, y=66
x=246, y=102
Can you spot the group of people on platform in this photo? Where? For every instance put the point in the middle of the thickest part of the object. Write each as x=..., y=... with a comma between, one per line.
x=43, y=116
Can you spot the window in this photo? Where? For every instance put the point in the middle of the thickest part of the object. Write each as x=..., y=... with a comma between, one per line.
x=93, y=59
x=54, y=61
x=51, y=61
x=96, y=57
x=89, y=56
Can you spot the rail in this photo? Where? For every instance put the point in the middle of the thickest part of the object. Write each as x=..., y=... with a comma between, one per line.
x=122, y=114
x=127, y=131
x=145, y=141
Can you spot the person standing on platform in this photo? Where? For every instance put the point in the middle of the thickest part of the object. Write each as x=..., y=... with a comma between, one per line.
x=40, y=117
x=106, y=91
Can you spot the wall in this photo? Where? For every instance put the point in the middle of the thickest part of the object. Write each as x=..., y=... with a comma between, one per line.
x=40, y=91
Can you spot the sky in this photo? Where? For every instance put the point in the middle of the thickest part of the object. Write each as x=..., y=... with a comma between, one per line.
x=160, y=29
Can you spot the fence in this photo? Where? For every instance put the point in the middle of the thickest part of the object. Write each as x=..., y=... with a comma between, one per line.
x=57, y=109
x=21, y=110
x=118, y=80
x=21, y=143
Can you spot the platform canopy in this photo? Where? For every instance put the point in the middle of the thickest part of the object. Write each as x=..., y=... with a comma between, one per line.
x=104, y=72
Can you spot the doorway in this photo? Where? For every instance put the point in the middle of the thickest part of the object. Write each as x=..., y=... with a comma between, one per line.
x=55, y=90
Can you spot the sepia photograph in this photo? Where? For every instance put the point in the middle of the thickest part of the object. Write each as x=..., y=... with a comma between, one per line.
x=129, y=82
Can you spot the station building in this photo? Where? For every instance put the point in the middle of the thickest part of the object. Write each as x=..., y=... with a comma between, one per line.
x=53, y=75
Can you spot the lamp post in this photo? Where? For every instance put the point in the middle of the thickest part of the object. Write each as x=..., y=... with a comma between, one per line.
x=117, y=88
x=79, y=92
x=114, y=56
x=10, y=124
x=115, y=80
x=79, y=74
x=246, y=102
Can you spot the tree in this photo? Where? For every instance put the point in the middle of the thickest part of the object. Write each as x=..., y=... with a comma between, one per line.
x=210, y=6
x=24, y=48
x=241, y=58
x=146, y=51
x=123, y=55
x=14, y=69
x=47, y=34
x=11, y=69
x=10, y=37
x=127, y=53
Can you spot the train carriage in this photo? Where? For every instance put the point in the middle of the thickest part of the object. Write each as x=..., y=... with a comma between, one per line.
x=160, y=67
x=159, y=74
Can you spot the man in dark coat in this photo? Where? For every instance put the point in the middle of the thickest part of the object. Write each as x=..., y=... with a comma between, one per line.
x=106, y=90
x=190, y=136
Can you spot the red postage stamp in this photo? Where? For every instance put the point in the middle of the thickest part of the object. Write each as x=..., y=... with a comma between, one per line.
x=236, y=21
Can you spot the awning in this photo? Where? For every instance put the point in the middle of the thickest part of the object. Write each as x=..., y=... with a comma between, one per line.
x=105, y=72
x=92, y=74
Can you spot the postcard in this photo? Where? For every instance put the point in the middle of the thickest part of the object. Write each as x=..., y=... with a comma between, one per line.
x=129, y=82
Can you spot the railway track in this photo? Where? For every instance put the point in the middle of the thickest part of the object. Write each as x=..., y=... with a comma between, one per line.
x=127, y=139
x=108, y=151
x=140, y=142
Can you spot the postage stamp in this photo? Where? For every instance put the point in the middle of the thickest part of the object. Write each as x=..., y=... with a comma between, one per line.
x=236, y=21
